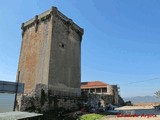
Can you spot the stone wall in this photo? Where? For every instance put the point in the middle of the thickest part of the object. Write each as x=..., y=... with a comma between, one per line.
x=42, y=101
x=50, y=59
x=64, y=67
x=112, y=90
x=92, y=99
x=35, y=52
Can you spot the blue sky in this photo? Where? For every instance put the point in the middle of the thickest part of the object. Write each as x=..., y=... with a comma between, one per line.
x=121, y=41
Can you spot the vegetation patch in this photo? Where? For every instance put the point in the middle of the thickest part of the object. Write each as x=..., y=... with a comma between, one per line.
x=91, y=117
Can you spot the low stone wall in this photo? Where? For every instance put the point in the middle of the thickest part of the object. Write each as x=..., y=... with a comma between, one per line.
x=92, y=100
x=45, y=103
x=43, y=100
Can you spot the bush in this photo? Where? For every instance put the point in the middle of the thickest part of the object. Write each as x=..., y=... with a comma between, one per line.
x=91, y=117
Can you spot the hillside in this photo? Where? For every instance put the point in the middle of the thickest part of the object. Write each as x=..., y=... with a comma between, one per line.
x=142, y=99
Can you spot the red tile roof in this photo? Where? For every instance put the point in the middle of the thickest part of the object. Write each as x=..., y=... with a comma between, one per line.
x=93, y=84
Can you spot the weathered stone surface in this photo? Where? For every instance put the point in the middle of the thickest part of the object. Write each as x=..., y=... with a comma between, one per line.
x=34, y=56
x=50, y=59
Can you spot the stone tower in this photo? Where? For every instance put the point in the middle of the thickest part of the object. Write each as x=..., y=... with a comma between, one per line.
x=50, y=57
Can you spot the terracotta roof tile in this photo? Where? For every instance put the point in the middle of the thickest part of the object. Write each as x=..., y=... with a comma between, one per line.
x=93, y=84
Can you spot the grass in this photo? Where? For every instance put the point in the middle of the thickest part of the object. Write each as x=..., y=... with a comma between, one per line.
x=91, y=117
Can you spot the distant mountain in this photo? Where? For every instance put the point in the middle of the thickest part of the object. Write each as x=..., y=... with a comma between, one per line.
x=142, y=99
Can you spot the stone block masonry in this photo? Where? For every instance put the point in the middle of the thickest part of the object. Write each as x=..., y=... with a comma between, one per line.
x=50, y=57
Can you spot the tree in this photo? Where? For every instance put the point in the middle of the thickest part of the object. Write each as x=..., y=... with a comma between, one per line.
x=157, y=93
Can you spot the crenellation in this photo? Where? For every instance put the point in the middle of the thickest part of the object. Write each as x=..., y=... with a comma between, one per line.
x=47, y=15
x=36, y=21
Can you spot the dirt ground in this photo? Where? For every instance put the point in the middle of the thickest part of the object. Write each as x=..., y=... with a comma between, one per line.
x=131, y=118
x=139, y=110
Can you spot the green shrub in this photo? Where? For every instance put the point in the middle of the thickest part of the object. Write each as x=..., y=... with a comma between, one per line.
x=90, y=117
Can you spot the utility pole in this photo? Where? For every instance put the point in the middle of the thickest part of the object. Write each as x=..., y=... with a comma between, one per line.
x=16, y=91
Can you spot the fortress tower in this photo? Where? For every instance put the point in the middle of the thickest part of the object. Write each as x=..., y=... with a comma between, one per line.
x=50, y=57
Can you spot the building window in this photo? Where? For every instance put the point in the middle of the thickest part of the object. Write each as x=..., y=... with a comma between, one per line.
x=82, y=89
x=98, y=90
x=86, y=89
x=104, y=90
x=92, y=90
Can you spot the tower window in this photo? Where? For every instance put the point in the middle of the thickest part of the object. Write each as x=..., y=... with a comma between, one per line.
x=61, y=45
